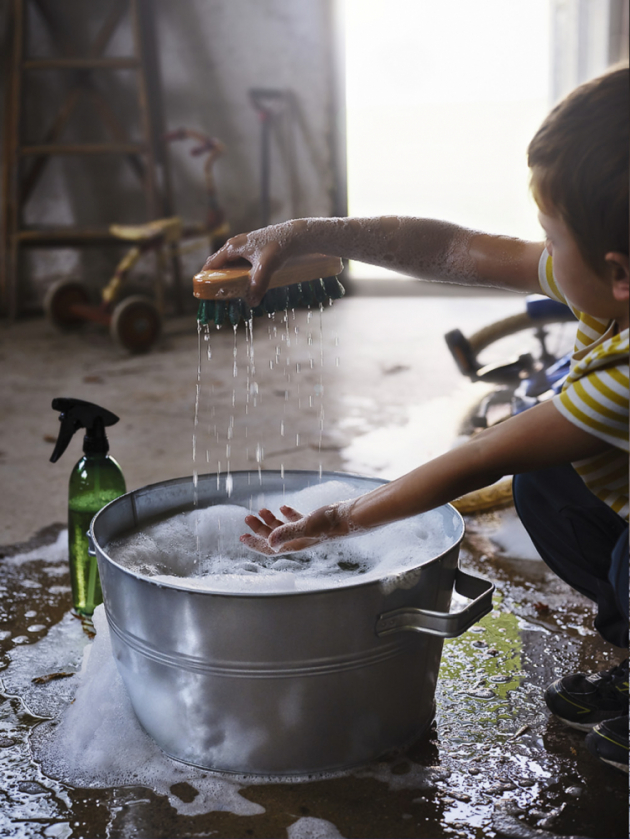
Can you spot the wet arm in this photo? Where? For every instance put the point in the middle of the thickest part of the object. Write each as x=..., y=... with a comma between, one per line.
x=427, y=249
x=538, y=438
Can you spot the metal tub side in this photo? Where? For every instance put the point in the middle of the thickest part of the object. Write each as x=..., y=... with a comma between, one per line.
x=288, y=683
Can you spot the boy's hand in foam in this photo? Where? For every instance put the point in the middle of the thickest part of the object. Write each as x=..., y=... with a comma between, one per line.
x=273, y=536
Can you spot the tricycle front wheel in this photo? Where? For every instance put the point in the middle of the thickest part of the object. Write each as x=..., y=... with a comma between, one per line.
x=136, y=324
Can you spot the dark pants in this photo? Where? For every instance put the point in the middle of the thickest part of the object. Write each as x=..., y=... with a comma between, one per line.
x=581, y=539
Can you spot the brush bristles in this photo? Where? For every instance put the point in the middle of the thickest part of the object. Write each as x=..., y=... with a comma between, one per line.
x=312, y=293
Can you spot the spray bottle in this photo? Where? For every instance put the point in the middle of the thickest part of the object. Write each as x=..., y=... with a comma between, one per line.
x=94, y=482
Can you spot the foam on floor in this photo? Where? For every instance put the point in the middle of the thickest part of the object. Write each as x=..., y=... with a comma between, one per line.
x=309, y=827
x=511, y=537
x=98, y=741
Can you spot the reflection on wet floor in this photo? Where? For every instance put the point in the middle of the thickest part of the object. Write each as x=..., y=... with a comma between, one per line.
x=493, y=764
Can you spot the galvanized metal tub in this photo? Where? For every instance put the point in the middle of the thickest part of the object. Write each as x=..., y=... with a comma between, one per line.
x=279, y=683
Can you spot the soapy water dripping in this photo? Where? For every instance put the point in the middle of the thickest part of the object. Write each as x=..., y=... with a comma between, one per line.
x=286, y=347
x=320, y=418
x=200, y=328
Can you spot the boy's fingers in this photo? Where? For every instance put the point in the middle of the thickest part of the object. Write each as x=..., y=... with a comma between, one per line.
x=265, y=263
x=215, y=261
x=290, y=513
x=259, y=278
x=259, y=527
x=257, y=543
x=261, y=546
x=268, y=517
x=220, y=258
x=288, y=532
x=297, y=545
x=230, y=251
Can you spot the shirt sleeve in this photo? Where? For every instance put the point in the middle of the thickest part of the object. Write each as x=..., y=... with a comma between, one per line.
x=546, y=279
x=598, y=403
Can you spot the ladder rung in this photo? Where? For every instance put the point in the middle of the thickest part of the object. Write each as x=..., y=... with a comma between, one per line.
x=115, y=63
x=41, y=237
x=84, y=148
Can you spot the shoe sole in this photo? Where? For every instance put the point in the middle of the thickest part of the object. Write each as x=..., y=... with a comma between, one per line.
x=623, y=767
x=579, y=726
x=593, y=743
x=553, y=694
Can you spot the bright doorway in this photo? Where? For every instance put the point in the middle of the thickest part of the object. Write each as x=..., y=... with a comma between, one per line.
x=442, y=98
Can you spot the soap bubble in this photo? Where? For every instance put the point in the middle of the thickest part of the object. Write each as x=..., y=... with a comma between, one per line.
x=201, y=549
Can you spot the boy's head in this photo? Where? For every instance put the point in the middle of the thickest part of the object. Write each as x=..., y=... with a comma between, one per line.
x=579, y=164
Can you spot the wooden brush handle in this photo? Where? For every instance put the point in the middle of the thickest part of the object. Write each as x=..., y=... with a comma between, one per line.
x=231, y=282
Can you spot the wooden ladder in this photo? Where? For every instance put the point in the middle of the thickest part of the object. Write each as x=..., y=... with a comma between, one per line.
x=23, y=163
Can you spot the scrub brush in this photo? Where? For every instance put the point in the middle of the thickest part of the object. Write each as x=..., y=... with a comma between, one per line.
x=308, y=281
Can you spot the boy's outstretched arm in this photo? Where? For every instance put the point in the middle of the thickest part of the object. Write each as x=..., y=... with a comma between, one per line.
x=538, y=438
x=424, y=248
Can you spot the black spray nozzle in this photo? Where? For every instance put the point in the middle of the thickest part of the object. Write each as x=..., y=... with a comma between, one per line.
x=76, y=414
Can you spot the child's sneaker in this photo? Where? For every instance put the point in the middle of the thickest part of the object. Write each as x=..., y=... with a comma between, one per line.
x=583, y=701
x=608, y=741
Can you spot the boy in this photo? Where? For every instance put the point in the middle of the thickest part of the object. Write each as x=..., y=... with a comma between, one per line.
x=568, y=454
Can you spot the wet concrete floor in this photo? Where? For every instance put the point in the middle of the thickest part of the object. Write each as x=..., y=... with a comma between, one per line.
x=494, y=764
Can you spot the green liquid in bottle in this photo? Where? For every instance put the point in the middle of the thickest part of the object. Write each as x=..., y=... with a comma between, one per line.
x=95, y=481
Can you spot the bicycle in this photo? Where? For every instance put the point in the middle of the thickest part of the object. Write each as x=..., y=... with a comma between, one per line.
x=134, y=320
x=546, y=329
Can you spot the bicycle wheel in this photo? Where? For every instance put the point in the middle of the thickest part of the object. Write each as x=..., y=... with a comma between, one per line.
x=546, y=339
x=560, y=330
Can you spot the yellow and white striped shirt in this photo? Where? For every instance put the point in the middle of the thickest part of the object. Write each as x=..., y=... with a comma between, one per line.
x=595, y=396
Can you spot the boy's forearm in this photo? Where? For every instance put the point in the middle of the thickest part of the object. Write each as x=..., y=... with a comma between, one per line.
x=422, y=248
x=427, y=249
x=435, y=483
x=536, y=439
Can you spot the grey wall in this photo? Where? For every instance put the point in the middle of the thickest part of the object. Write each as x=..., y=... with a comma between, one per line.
x=211, y=53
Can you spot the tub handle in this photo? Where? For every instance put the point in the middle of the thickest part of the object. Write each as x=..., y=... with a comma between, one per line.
x=91, y=548
x=443, y=624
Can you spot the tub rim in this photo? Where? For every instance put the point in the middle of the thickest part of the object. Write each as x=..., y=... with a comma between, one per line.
x=100, y=551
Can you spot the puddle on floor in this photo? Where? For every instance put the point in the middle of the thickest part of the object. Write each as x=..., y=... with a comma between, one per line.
x=493, y=764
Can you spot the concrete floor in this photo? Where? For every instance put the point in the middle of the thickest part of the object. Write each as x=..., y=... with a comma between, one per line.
x=378, y=374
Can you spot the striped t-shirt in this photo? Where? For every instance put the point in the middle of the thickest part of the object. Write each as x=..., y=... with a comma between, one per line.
x=595, y=396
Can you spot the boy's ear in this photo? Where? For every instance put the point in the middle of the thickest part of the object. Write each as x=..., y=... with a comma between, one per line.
x=619, y=267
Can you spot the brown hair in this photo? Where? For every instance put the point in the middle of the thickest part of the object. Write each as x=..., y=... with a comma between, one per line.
x=579, y=163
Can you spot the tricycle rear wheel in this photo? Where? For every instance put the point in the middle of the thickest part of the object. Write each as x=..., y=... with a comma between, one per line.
x=59, y=300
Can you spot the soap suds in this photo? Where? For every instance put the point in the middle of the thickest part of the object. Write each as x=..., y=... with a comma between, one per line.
x=55, y=553
x=311, y=828
x=201, y=549
x=99, y=742
x=93, y=738
x=512, y=538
